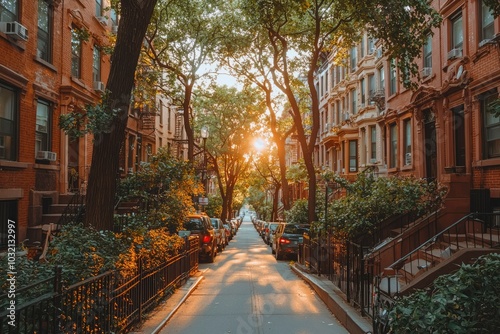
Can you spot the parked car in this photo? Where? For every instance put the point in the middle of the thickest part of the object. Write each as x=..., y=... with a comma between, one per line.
x=264, y=230
x=220, y=233
x=287, y=243
x=229, y=232
x=200, y=224
x=269, y=236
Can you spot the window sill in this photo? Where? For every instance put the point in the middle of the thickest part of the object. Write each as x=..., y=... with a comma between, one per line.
x=486, y=163
x=407, y=167
x=46, y=167
x=18, y=43
x=45, y=63
x=7, y=164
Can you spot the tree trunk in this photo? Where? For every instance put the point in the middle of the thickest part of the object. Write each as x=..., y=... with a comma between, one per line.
x=100, y=199
x=188, y=93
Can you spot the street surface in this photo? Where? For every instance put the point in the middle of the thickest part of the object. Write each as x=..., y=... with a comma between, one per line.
x=246, y=291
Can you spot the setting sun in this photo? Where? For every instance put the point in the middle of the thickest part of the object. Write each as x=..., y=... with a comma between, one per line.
x=259, y=144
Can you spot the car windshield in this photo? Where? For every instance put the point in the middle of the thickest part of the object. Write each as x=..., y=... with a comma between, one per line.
x=215, y=223
x=295, y=229
x=193, y=224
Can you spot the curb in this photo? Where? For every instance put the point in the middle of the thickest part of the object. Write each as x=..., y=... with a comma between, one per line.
x=347, y=315
x=172, y=312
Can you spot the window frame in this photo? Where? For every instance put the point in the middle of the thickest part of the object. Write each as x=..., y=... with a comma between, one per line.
x=98, y=8
x=76, y=54
x=96, y=63
x=46, y=137
x=393, y=145
x=458, y=17
x=10, y=150
x=45, y=36
x=6, y=15
x=486, y=31
x=458, y=117
x=353, y=156
x=485, y=99
x=373, y=142
x=427, y=52
x=407, y=140
x=392, y=78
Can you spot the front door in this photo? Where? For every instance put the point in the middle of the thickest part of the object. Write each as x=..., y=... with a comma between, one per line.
x=430, y=146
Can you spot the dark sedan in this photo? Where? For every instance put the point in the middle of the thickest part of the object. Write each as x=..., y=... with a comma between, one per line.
x=289, y=241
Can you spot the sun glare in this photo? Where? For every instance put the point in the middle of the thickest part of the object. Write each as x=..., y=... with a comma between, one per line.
x=259, y=144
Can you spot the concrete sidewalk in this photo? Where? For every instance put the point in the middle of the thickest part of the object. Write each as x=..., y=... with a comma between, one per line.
x=159, y=317
x=325, y=289
x=331, y=295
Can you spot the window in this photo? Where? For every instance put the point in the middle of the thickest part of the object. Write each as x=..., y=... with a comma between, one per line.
x=354, y=101
x=8, y=123
x=392, y=78
x=8, y=10
x=353, y=58
x=371, y=86
x=337, y=74
x=371, y=45
x=339, y=120
x=459, y=135
x=113, y=17
x=76, y=54
x=487, y=19
x=362, y=47
x=98, y=8
x=393, y=149
x=381, y=79
x=8, y=214
x=457, y=34
x=44, y=41
x=373, y=143
x=362, y=90
x=428, y=52
x=42, y=131
x=407, y=141
x=491, y=126
x=353, y=156
x=326, y=82
x=96, y=64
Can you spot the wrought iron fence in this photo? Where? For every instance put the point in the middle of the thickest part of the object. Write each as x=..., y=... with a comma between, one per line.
x=107, y=303
x=342, y=262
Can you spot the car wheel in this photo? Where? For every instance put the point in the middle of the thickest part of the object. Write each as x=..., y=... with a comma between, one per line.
x=211, y=258
x=278, y=255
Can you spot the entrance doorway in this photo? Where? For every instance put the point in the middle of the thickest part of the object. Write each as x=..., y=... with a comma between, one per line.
x=430, y=145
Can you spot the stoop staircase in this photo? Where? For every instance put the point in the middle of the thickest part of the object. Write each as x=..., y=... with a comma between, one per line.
x=398, y=272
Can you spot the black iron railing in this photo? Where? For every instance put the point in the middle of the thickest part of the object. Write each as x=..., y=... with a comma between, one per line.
x=107, y=303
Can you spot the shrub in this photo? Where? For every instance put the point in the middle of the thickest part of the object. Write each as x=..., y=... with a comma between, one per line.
x=460, y=303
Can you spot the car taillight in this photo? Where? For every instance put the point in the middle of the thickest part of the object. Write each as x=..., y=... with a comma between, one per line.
x=284, y=241
x=206, y=239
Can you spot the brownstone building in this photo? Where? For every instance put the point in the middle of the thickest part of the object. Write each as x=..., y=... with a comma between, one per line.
x=52, y=61
x=441, y=131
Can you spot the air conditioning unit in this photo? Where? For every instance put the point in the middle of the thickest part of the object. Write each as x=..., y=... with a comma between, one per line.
x=352, y=169
x=114, y=29
x=379, y=53
x=345, y=116
x=41, y=128
x=14, y=29
x=454, y=53
x=407, y=159
x=373, y=161
x=46, y=155
x=426, y=72
x=484, y=42
x=99, y=86
x=131, y=171
x=102, y=20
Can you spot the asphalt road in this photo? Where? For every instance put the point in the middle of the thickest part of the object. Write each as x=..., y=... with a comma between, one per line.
x=246, y=291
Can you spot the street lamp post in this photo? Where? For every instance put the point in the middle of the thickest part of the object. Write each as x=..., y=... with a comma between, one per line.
x=204, y=136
